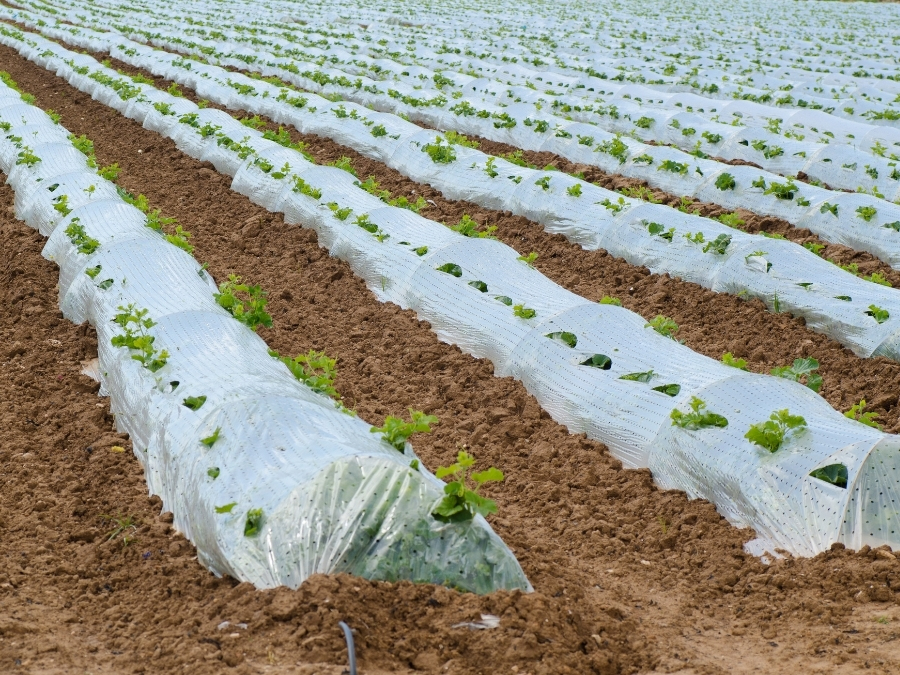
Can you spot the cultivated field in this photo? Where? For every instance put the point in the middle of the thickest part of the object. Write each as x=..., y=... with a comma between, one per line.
x=533, y=338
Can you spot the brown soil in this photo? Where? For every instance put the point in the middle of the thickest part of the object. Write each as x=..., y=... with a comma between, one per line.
x=628, y=578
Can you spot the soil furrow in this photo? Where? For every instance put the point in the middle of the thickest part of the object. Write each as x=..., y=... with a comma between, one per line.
x=628, y=577
x=711, y=323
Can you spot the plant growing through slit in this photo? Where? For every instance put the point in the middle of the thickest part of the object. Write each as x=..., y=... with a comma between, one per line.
x=461, y=503
x=867, y=418
x=880, y=315
x=771, y=434
x=245, y=303
x=836, y=474
x=194, y=402
x=395, y=431
x=528, y=259
x=439, y=153
x=729, y=360
x=567, y=338
x=135, y=325
x=468, y=227
x=523, y=312
x=698, y=417
x=655, y=229
x=83, y=243
x=663, y=325
x=253, y=522
x=803, y=371
x=314, y=369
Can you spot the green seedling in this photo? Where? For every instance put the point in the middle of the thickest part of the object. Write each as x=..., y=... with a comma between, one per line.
x=253, y=522
x=601, y=361
x=803, y=371
x=450, y=268
x=210, y=440
x=194, y=402
x=867, y=418
x=528, y=259
x=396, y=432
x=461, y=503
x=771, y=433
x=836, y=474
x=663, y=325
x=135, y=325
x=523, y=312
x=567, y=338
x=698, y=417
x=609, y=300
x=245, y=303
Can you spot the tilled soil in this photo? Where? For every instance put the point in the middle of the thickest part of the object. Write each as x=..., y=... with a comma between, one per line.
x=628, y=578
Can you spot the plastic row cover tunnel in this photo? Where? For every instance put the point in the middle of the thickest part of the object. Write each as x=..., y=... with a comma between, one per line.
x=780, y=273
x=596, y=368
x=861, y=221
x=310, y=489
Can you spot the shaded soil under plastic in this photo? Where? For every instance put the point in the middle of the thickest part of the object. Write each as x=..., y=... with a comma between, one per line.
x=628, y=578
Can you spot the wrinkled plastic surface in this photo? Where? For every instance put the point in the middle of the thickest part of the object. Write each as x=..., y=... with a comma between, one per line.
x=773, y=493
x=334, y=497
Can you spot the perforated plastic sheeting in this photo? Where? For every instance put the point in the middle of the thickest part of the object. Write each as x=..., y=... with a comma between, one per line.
x=797, y=280
x=878, y=238
x=773, y=493
x=334, y=497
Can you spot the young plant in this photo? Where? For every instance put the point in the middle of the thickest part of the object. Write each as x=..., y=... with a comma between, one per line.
x=76, y=233
x=880, y=315
x=732, y=220
x=803, y=371
x=460, y=503
x=698, y=417
x=609, y=300
x=395, y=431
x=135, y=336
x=718, y=245
x=245, y=303
x=524, y=312
x=866, y=212
x=440, y=154
x=771, y=433
x=253, y=522
x=655, y=229
x=210, y=440
x=729, y=360
x=450, y=268
x=194, y=402
x=314, y=369
x=867, y=418
x=528, y=259
x=726, y=181
x=663, y=325
x=574, y=190
x=567, y=338
x=344, y=164
x=468, y=227
x=836, y=474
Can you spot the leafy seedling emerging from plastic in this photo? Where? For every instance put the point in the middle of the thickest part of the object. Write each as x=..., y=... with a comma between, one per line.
x=80, y=239
x=460, y=503
x=528, y=259
x=601, y=361
x=395, y=431
x=523, y=312
x=663, y=325
x=226, y=508
x=245, y=303
x=610, y=300
x=567, y=338
x=468, y=227
x=729, y=360
x=836, y=474
x=213, y=472
x=253, y=522
x=314, y=369
x=698, y=417
x=644, y=377
x=771, y=433
x=668, y=389
x=194, y=402
x=800, y=370
x=135, y=325
x=880, y=315
x=210, y=440
x=867, y=418
x=655, y=229
x=450, y=268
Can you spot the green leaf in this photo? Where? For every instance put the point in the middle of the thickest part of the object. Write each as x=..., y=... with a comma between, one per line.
x=194, y=402
x=227, y=508
x=213, y=472
x=460, y=503
x=668, y=389
x=601, y=361
x=253, y=522
x=639, y=377
x=451, y=268
x=698, y=417
x=480, y=285
x=395, y=431
x=92, y=272
x=504, y=299
x=567, y=338
x=209, y=440
x=105, y=285
x=836, y=474
x=771, y=434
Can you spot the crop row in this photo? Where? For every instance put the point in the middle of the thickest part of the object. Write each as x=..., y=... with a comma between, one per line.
x=239, y=447
x=693, y=123
x=786, y=276
x=769, y=452
x=864, y=222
